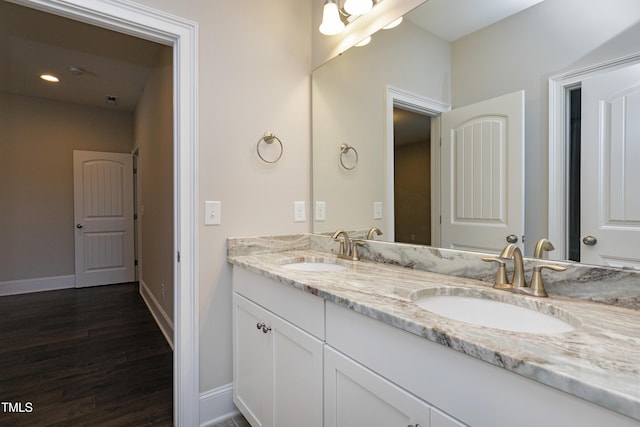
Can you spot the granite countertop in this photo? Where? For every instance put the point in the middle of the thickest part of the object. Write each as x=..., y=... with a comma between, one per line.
x=599, y=361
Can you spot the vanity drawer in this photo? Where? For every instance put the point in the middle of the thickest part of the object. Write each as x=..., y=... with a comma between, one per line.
x=303, y=309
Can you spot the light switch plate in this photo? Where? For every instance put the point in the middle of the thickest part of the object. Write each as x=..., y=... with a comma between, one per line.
x=321, y=211
x=212, y=211
x=377, y=210
x=298, y=212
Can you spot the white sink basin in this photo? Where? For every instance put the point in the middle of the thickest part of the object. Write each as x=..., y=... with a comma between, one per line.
x=493, y=314
x=314, y=266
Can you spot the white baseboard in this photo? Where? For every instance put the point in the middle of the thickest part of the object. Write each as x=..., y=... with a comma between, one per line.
x=162, y=319
x=26, y=286
x=217, y=405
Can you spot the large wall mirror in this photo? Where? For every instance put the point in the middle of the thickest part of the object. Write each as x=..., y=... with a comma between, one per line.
x=377, y=109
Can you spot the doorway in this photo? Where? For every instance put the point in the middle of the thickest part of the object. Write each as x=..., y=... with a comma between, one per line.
x=181, y=35
x=412, y=176
x=594, y=208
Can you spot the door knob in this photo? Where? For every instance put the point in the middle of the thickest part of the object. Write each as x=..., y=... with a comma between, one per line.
x=512, y=238
x=590, y=241
x=79, y=225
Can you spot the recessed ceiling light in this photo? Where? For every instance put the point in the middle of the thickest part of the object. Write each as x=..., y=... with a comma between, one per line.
x=49, y=78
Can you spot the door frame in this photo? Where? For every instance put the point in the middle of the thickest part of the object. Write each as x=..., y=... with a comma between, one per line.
x=410, y=101
x=559, y=86
x=181, y=35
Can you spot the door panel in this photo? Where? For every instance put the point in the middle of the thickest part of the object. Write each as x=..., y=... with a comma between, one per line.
x=103, y=210
x=610, y=204
x=483, y=174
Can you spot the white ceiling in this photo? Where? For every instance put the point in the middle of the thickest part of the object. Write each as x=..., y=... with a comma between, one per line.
x=454, y=19
x=33, y=42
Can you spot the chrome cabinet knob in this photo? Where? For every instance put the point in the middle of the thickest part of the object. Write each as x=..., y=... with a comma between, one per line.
x=512, y=238
x=590, y=241
x=264, y=327
x=79, y=225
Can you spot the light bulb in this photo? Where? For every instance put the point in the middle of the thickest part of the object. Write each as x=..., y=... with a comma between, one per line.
x=393, y=24
x=331, y=23
x=358, y=7
x=364, y=42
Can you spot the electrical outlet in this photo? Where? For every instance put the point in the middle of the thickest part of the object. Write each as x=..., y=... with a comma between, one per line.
x=298, y=212
x=321, y=211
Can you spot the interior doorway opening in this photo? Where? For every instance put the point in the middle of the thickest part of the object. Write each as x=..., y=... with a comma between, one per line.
x=573, y=174
x=412, y=176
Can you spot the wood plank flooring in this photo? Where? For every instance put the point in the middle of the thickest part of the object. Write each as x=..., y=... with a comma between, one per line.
x=83, y=357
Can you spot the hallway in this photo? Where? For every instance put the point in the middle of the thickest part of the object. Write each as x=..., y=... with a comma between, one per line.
x=91, y=356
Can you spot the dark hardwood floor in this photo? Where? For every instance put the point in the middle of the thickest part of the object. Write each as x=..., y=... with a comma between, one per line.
x=83, y=357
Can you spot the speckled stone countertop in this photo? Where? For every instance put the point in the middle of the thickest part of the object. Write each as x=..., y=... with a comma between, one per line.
x=599, y=361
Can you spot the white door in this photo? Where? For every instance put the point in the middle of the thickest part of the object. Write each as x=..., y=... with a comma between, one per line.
x=482, y=189
x=103, y=211
x=610, y=179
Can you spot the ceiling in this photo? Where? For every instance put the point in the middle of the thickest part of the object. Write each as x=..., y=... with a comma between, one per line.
x=111, y=63
x=453, y=19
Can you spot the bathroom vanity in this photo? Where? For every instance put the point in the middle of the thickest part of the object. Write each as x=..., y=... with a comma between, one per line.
x=324, y=346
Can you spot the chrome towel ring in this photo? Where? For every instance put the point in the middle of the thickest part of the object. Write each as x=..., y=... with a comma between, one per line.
x=344, y=151
x=268, y=138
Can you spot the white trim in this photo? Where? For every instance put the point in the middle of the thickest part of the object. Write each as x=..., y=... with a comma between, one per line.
x=558, y=87
x=141, y=21
x=163, y=320
x=217, y=405
x=412, y=102
x=41, y=284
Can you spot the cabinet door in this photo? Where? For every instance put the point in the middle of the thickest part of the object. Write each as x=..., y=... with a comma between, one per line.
x=252, y=363
x=277, y=369
x=356, y=396
x=440, y=419
x=297, y=373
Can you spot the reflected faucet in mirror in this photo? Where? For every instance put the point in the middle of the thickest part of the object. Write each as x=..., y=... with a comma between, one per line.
x=542, y=246
x=373, y=230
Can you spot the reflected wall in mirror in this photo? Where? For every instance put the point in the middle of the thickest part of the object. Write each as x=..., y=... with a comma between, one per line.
x=522, y=51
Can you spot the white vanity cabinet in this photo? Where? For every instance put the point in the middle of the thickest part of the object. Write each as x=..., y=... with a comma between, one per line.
x=476, y=393
x=302, y=361
x=356, y=397
x=277, y=375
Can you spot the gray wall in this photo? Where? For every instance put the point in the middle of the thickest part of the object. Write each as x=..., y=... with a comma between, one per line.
x=36, y=175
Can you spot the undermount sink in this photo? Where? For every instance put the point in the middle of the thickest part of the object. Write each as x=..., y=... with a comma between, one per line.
x=314, y=265
x=483, y=309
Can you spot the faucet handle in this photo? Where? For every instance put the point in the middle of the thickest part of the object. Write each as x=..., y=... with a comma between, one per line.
x=502, y=282
x=354, y=248
x=537, y=286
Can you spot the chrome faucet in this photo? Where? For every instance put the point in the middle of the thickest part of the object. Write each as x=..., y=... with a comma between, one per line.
x=541, y=246
x=345, y=243
x=511, y=251
x=373, y=230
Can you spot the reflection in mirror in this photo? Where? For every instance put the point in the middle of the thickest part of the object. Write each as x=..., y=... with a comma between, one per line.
x=520, y=50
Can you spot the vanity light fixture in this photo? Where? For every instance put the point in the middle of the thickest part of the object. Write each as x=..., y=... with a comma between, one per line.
x=393, y=24
x=331, y=22
x=49, y=78
x=358, y=7
x=335, y=19
x=364, y=42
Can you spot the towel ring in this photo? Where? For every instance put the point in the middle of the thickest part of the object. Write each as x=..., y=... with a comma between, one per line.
x=268, y=138
x=344, y=149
